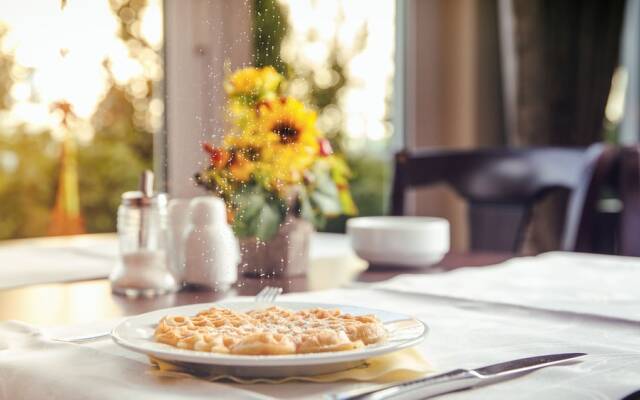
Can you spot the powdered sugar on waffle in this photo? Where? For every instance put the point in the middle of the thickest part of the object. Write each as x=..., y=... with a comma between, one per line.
x=271, y=331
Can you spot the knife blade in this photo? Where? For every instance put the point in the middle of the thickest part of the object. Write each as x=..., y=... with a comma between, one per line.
x=457, y=379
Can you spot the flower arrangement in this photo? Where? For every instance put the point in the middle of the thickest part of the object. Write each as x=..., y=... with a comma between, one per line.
x=274, y=162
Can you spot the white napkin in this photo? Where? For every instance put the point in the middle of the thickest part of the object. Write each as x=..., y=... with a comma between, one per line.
x=36, y=261
x=33, y=367
x=606, y=286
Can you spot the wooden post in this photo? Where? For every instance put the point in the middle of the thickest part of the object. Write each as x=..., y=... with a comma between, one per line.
x=202, y=36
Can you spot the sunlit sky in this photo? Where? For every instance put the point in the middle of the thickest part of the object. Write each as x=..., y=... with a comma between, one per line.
x=370, y=72
x=60, y=53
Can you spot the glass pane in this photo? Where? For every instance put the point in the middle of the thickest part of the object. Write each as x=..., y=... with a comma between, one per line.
x=339, y=59
x=79, y=105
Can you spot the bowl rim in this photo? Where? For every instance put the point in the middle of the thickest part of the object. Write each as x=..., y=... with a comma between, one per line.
x=404, y=223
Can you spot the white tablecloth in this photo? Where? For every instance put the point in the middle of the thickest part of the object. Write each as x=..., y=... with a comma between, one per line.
x=462, y=334
x=548, y=304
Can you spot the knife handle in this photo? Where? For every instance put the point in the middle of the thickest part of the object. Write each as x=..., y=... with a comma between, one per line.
x=451, y=381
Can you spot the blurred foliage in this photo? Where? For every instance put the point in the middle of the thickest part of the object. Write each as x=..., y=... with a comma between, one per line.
x=28, y=168
x=6, y=64
x=371, y=173
x=112, y=162
x=107, y=166
x=371, y=178
x=269, y=28
x=369, y=188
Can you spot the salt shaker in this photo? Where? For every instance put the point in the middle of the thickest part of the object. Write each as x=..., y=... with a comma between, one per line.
x=143, y=266
x=210, y=249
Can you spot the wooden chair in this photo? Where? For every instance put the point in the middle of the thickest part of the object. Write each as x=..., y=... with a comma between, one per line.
x=501, y=186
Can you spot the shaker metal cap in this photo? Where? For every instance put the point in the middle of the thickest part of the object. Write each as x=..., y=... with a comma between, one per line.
x=145, y=196
x=136, y=198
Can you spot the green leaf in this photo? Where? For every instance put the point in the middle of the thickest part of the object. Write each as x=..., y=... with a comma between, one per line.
x=325, y=195
x=257, y=213
x=249, y=204
x=267, y=222
x=328, y=204
x=306, y=209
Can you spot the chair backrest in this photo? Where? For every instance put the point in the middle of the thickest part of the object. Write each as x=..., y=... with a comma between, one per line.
x=500, y=185
x=588, y=228
x=629, y=191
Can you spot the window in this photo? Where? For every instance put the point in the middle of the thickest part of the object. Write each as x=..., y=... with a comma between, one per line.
x=79, y=107
x=341, y=55
x=82, y=96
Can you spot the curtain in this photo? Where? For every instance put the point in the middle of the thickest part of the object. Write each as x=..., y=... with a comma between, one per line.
x=558, y=59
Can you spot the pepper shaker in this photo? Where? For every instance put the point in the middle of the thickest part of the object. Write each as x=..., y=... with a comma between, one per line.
x=210, y=249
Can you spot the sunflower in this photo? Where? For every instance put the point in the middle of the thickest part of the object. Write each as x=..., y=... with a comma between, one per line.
x=288, y=123
x=254, y=82
x=290, y=131
x=273, y=158
x=248, y=144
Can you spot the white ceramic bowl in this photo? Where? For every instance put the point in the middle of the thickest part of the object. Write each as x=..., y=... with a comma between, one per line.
x=399, y=241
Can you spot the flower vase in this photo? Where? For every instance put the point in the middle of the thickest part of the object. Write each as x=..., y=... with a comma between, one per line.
x=285, y=254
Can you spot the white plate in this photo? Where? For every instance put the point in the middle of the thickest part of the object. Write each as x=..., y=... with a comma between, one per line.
x=136, y=333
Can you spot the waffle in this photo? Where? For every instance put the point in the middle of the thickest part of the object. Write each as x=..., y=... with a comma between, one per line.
x=272, y=331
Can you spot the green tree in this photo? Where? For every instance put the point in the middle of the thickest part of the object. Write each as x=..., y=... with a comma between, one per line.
x=112, y=162
x=27, y=169
x=269, y=28
x=28, y=166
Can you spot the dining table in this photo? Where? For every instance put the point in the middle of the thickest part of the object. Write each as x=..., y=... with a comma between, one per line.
x=480, y=309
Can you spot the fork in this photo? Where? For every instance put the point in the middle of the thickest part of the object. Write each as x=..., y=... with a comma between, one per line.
x=82, y=339
x=268, y=295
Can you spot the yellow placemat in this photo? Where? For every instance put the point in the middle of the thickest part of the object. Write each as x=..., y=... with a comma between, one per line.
x=401, y=365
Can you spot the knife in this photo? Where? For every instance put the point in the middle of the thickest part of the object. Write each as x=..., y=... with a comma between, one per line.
x=457, y=379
